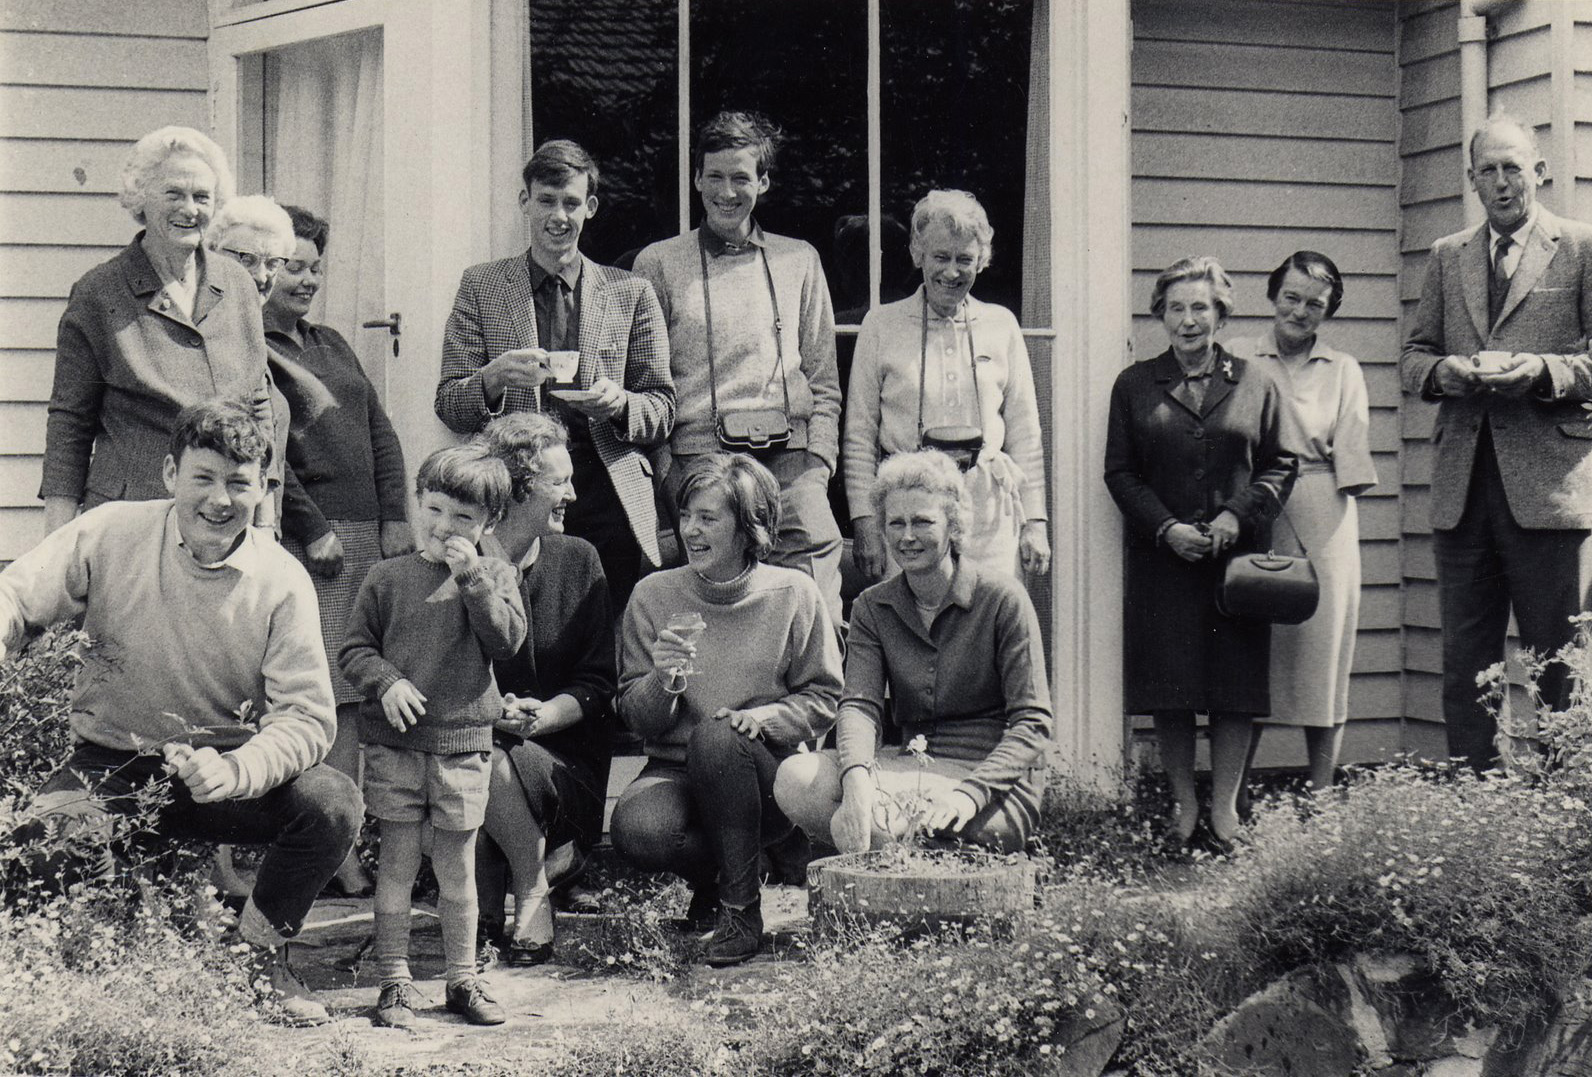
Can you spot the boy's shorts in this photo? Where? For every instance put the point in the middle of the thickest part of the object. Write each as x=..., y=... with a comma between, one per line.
x=406, y=786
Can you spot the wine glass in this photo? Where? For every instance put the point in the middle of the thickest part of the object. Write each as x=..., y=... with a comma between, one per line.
x=688, y=626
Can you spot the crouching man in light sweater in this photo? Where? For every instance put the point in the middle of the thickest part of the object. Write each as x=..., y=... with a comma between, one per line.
x=208, y=668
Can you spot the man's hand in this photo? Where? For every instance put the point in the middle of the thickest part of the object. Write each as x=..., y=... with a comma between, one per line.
x=851, y=827
x=867, y=547
x=953, y=813
x=325, y=555
x=208, y=774
x=746, y=722
x=1516, y=377
x=1188, y=542
x=520, y=368
x=396, y=538
x=610, y=403
x=1455, y=375
x=1033, y=547
x=460, y=553
x=403, y=704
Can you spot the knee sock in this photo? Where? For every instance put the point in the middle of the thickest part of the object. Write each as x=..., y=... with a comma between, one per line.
x=458, y=916
x=392, y=947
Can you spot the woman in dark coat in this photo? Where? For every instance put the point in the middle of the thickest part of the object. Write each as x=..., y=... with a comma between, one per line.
x=1195, y=463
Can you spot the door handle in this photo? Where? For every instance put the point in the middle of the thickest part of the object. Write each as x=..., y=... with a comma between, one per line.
x=393, y=323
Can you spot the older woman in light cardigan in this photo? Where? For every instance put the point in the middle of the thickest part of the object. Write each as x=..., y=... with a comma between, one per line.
x=960, y=652
x=943, y=359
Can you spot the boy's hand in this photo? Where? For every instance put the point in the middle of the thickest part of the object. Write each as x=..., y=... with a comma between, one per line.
x=460, y=554
x=208, y=774
x=403, y=705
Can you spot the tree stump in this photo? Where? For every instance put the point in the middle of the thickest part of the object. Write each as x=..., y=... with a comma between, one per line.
x=920, y=891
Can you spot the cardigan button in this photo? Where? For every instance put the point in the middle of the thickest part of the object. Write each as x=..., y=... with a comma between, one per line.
x=1199, y=432
x=1199, y=473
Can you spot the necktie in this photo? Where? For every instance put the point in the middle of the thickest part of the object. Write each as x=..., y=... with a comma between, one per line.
x=1498, y=286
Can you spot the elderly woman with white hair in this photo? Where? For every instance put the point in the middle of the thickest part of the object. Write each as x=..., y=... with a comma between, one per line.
x=941, y=369
x=156, y=328
x=960, y=652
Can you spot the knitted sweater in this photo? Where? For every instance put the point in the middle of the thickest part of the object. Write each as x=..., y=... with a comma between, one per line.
x=768, y=647
x=744, y=355
x=180, y=646
x=413, y=619
x=341, y=446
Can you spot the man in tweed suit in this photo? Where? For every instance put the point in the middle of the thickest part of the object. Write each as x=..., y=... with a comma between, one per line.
x=1500, y=341
x=509, y=319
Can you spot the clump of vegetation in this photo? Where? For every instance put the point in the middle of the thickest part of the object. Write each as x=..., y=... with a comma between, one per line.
x=636, y=933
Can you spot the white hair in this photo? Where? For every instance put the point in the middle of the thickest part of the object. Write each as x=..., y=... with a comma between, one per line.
x=261, y=213
x=961, y=213
x=154, y=149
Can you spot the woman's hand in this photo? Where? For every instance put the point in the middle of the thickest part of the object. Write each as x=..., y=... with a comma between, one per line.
x=1033, y=547
x=1188, y=542
x=867, y=548
x=747, y=722
x=1224, y=533
x=670, y=652
x=953, y=813
x=396, y=538
x=851, y=827
x=519, y=714
x=325, y=555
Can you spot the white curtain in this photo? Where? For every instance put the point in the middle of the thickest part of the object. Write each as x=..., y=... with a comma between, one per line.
x=323, y=151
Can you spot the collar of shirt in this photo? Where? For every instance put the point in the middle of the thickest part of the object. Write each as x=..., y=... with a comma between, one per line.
x=1517, y=244
x=245, y=555
x=898, y=595
x=968, y=311
x=1266, y=348
x=569, y=274
x=717, y=245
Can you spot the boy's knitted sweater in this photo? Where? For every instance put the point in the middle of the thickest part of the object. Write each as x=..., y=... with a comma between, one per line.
x=414, y=620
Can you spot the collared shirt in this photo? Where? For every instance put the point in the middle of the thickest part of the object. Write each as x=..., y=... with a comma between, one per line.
x=717, y=245
x=972, y=682
x=1517, y=244
x=1326, y=415
x=556, y=297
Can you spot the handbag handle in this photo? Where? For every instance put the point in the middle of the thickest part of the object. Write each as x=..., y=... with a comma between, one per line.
x=1302, y=551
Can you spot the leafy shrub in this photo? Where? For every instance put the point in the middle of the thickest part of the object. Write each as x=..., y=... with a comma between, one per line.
x=635, y=934
x=35, y=693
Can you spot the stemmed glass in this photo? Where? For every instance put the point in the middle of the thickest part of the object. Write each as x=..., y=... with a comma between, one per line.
x=688, y=626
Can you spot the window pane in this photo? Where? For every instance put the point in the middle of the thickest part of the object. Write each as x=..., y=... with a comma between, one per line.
x=954, y=88
x=603, y=72
x=804, y=65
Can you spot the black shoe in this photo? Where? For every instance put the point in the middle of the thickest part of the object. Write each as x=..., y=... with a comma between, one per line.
x=525, y=954
x=703, y=912
x=471, y=1001
x=738, y=936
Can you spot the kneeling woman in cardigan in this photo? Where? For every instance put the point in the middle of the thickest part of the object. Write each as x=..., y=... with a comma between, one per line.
x=717, y=715
x=961, y=653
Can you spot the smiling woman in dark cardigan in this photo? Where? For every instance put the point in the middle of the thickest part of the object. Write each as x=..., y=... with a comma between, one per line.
x=551, y=756
x=1195, y=462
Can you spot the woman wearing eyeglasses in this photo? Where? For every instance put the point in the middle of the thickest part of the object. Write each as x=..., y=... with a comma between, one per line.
x=347, y=509
x=161, y=325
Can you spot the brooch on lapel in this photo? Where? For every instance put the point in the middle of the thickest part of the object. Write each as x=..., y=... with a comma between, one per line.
x=1227, y=367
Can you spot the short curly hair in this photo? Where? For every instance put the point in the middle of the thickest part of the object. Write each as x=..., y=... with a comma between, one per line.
x=1202, y=267
x=748, y=486
x=155, y=148
x=932, y=472
x=259, y=212
x=307, y=225
x=519, y=439
x=223, y=426
x=959, y=211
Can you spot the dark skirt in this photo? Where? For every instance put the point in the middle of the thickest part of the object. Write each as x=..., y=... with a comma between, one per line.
x=1179, y=651
x=565, y=793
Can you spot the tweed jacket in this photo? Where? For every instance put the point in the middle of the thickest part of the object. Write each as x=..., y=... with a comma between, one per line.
x=127, y=362
x=1543, y=440
x=622, y=337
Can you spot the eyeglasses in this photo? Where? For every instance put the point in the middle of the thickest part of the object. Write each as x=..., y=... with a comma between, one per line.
x=250, y=260
x=298, y=265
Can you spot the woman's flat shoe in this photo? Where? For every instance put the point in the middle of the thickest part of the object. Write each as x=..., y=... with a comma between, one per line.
x=573, y=897
x=522, y=955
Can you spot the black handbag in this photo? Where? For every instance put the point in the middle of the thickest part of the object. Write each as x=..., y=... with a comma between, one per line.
x=1275, y=587
x=754, y=429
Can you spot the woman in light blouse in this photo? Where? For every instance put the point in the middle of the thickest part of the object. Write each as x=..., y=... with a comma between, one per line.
x=1325, y=423
x=961, y=654
x=941, y=359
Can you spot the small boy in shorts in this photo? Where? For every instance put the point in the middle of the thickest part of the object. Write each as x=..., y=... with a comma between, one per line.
x=421, y=641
